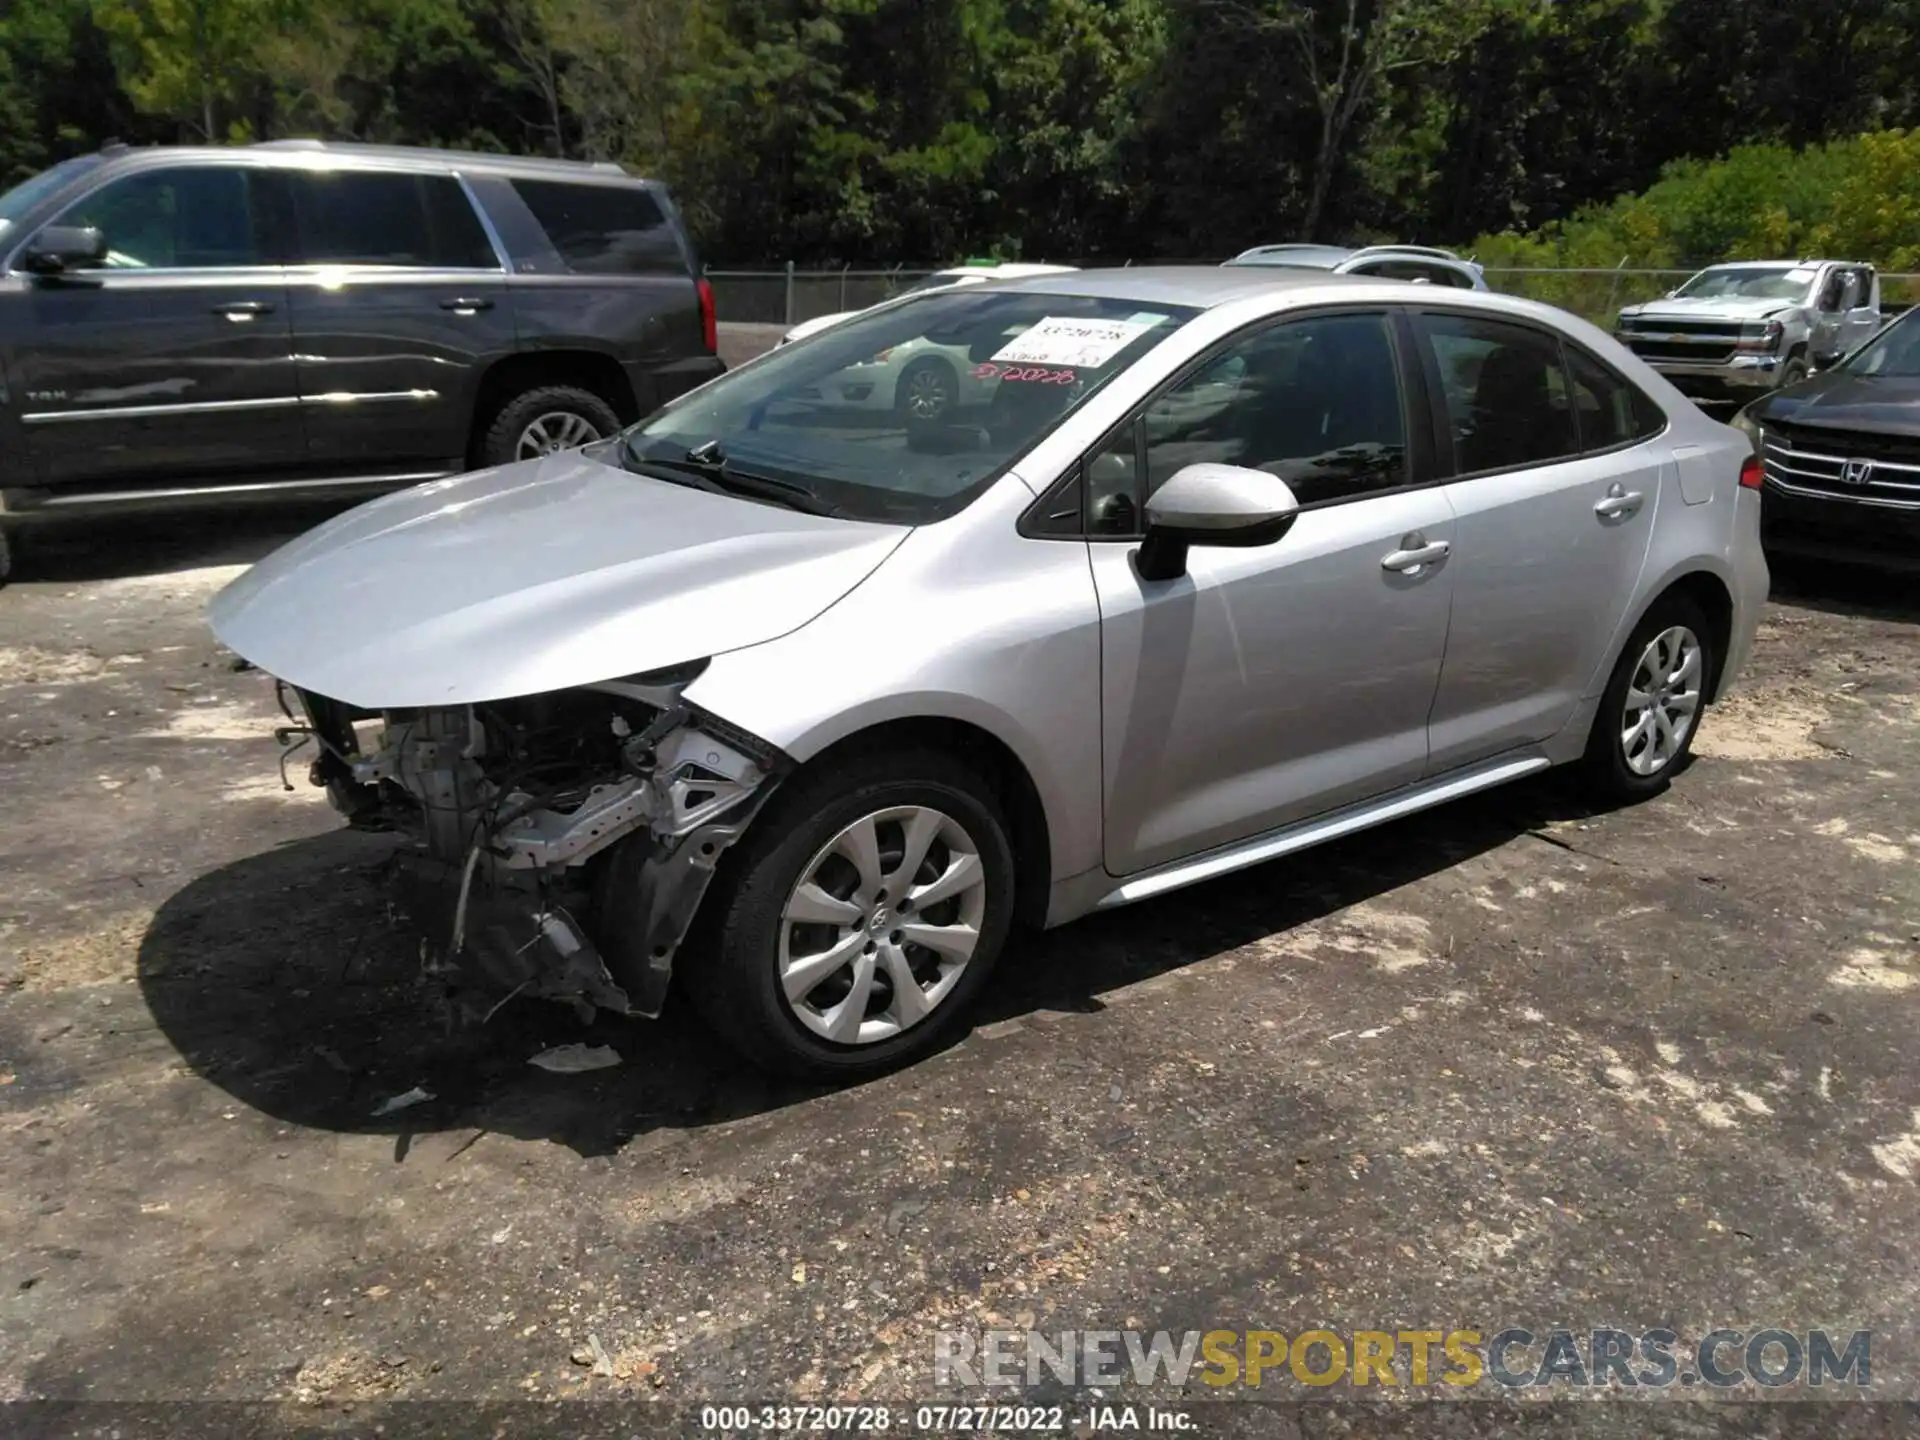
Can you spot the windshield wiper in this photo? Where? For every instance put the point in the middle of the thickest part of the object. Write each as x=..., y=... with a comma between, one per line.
x=706, y=467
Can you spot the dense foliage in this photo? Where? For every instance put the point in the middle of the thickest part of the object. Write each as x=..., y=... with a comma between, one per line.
x=832, y=130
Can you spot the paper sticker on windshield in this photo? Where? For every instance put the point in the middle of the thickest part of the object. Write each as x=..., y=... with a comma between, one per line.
x=1081, y=344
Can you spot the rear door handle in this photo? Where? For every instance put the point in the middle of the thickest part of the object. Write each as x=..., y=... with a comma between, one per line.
x=467, y=304
x=1618, y=502
x=1415, y=554
x=241, y=311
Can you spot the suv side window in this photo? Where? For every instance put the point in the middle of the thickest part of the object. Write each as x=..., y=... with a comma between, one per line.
x=1610, y=411
x=604, y=229
x=194, y=218
x=1504, y=390
x=381, y=217
x=1314, y=401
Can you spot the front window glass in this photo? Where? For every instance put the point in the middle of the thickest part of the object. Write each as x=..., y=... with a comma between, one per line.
x=1895, y=351
x=29, y=193
x=1750, y=283
x=1316, y=402
x=188, y=219
x=908, y=412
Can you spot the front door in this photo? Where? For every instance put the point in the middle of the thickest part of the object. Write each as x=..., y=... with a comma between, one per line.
x=172, y=360
x=1557, y=482
x=399, y=303
x=1267, y=685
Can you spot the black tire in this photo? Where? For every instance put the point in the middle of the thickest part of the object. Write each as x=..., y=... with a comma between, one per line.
x=927, y=393
x=1608, y=775
x=730, y=968
x=500, y=445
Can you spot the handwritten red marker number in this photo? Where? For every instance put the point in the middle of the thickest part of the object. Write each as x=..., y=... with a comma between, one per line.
x=1027, y=374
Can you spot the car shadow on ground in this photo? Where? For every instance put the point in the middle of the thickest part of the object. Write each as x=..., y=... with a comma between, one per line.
x=289, y=981
x=1838, y=589
x=122, y=547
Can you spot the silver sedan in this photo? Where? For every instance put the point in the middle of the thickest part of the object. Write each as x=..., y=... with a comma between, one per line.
x=803, y=707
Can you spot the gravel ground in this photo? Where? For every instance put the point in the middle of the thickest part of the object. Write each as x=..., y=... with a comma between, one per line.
x=1509, y=1063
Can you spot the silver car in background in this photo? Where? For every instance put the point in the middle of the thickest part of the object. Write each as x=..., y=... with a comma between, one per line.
x=805, y=708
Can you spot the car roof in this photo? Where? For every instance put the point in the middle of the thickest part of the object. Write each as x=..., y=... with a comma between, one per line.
x=1012, y=270
x=1319, y=256
x=1773, y=264
x=1197, y=286
x=408, y=157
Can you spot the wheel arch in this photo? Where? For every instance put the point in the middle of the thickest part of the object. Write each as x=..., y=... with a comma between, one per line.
x=594, y=371
x=1712, y=594
x=999, y=765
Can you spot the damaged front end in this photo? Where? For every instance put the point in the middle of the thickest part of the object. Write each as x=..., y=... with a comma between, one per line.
x=563, y=842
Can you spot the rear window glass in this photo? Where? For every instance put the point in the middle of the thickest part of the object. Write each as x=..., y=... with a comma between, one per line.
x=388, y=218
x=604, y=229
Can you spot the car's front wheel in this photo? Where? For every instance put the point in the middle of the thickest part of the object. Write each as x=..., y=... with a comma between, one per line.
x=857, y=918
x=1653, y=704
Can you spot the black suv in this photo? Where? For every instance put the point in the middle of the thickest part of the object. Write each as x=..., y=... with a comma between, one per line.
x=298, y=319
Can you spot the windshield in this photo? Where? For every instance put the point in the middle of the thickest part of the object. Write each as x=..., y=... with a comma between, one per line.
x=1894, y=351
x=1752, y=283
x=907, y=412
x=28, y=193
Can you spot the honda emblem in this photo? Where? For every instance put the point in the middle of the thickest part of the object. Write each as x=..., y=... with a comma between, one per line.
x=1857, y=472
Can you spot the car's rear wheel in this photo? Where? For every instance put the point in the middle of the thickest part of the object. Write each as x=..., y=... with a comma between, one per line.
x=1653, y=703
x=857, y=918
x=544, y=421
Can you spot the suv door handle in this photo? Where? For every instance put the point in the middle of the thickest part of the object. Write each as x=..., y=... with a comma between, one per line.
x=1415, y=554
x=1618, y=501
x=467, y=304
x=241, y=311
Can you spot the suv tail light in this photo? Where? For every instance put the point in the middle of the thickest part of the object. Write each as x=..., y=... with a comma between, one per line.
x=709, y=320
x=1751, y=473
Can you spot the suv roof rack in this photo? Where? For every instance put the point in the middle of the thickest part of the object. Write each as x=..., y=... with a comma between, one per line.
x=431, y=152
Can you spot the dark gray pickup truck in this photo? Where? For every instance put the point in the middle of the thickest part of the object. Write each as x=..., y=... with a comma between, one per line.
x=302, y=320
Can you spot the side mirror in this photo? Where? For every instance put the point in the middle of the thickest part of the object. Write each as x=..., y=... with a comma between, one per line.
x=64, y=247
x=1212, y=505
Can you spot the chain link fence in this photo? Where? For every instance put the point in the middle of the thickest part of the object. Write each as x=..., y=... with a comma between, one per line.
x=788, y=295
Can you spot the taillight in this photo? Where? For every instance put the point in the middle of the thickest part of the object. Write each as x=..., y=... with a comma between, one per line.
x=709, y=321
x=1751, y=473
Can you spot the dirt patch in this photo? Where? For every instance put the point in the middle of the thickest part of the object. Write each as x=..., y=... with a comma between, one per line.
x=212, y=722
x=1755, y=726
x=200, y=584
x=31, y=665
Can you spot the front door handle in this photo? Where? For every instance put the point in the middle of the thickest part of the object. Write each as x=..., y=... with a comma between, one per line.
x=467, y=304
x=1618, y=501
x=1415, y=553
x=241, y=311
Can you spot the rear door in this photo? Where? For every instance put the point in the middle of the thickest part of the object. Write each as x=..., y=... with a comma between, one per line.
x=1558, y=471
x=399, y=303
x=172, y=360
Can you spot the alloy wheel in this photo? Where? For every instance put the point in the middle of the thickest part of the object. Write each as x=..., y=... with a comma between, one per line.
x=881, y=924
x=926, y=393
x=553, y=432
x=1663, y=700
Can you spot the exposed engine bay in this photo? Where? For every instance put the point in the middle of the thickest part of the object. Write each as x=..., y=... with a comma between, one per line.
x=562, y=842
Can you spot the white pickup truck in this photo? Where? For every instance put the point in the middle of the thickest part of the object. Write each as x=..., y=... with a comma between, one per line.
x=1749, y=326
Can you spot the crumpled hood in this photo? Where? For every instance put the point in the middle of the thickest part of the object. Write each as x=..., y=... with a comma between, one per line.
x=534, y=577
x=1730, y=307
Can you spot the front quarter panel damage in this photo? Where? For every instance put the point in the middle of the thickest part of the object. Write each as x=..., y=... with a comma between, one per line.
x=562, y=844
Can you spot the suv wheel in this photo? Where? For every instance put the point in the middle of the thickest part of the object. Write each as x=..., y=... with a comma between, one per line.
x=858, y=917
x=544, y=421
x=1653, y=704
